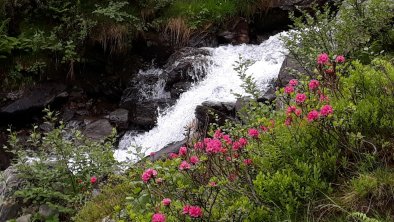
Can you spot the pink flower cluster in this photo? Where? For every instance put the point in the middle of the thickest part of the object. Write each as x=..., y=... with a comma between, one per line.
x=323, y=58
x=254, y=133
x=166, y=201
x=184, y=165
x=158, y=217
x=192, y=211
x=289, y=89
x=148, y=174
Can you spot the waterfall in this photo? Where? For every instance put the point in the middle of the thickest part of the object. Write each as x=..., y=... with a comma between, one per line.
x=219, y=84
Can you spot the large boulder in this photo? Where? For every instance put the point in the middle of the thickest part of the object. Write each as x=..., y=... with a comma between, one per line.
x=33, y=101
x=120, y=117
x=186, y=65
x=98, y=130
x=289, y=70
x=9, y=207
x=214, y=112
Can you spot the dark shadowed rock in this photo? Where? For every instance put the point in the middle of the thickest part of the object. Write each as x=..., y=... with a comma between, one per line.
x=185, y=65
x=179, y=88
x=214, y=112
x=33, y=101
x=120, y=118
x=288, y=71
x=98, y=130
x=144, y=114
x=171, y=148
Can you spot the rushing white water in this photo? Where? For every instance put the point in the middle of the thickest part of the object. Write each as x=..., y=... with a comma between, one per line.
x=219, y=85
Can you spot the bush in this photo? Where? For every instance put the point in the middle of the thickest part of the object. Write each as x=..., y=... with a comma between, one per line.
x=60, y=168
x=351, y=31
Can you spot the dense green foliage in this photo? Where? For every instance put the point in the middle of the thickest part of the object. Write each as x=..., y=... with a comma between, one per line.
x=328, y=155
x=58, y=167
x=42, y=36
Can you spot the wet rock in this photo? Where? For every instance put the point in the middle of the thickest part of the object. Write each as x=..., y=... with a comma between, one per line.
x=98, y=130
x=269, y=96
x=33, y=101
x=290, y=68
x=144, y=114
x=179, y=88
x=120, y=118
x=170, y=148
x=185, y=65
x=214, y=112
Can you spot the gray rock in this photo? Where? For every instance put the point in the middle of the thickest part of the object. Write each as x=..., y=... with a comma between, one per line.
x=120, y=118
x=98, y=130
x=9, y=182
x=24, y=218
x=9, y=209
x=289, y=69
x=46, y=211
x=35, y=99
x=170, y=148
x=186, y=65
x=214, y=112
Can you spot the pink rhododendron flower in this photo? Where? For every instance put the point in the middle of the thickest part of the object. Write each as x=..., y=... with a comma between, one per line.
x=289, y=89
x=254, y=133
x=298, y=112
x=288, y=121
x=290, y=110
x=340, y=59
x=313, y=115
x=166, y=201
x=184, y=165
x=243, y=142
x=93, y=179
x=158, y=217
x=236, y=145
x=293, y=82
x=227, y=138
x=194, y=160
x=322, y=58
x=148, y=174
x=300, y=98
x=213, y=146
x=182, y=151
x=152, y=154
x=247, y=161
x=228, y=158
x=326, y=110
x=199, y=145
x=313, y=84
x=195, y=211
x=218, y=134
x=173, y=155
x=186, y=209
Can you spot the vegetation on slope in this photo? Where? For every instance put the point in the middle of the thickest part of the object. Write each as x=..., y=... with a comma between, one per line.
x=327, y=156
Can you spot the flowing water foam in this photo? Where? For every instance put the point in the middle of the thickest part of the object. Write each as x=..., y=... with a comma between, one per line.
x=219, y=85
